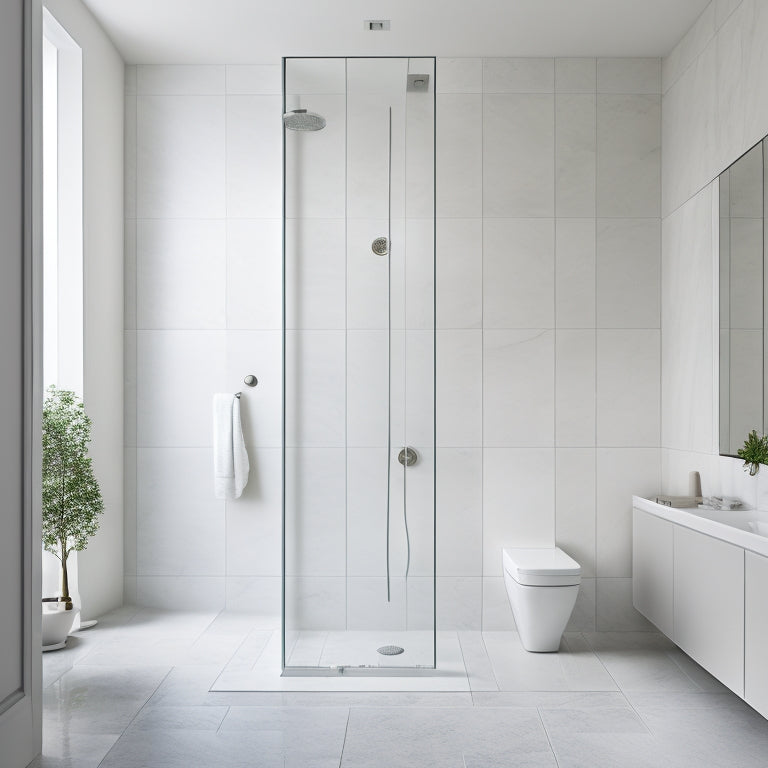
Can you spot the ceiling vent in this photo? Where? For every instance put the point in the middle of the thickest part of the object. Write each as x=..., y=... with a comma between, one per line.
x=377, y=25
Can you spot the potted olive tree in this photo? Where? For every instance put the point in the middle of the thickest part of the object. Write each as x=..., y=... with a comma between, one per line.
x=72, y=500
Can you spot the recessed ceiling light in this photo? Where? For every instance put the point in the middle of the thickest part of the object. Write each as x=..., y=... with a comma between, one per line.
x=377, y=25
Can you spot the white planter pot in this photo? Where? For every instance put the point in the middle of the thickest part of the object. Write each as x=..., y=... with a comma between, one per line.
x=57, y=623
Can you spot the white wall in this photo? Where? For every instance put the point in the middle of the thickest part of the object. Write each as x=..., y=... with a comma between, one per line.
x=548, y=326
x=714, y=108
x=100, y=566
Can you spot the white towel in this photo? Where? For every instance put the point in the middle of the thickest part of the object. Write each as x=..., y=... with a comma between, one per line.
x=230, y=459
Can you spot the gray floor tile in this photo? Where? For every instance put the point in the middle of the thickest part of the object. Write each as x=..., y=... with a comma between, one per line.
x=592, y=720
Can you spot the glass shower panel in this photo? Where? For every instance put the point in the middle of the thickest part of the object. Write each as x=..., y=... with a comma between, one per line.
x=359, y=518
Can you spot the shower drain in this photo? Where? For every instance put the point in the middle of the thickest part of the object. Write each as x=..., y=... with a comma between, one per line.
x=390, y=650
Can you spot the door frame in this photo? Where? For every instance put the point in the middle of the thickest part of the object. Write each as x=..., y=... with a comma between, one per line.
x=21, y=719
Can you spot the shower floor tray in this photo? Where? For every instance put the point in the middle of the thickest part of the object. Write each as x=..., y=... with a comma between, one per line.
x=317, y=656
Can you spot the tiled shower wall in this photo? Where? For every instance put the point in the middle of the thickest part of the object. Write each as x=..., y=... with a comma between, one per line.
x=548, y=349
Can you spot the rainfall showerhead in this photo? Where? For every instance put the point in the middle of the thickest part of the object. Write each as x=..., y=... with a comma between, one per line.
x=301, y=120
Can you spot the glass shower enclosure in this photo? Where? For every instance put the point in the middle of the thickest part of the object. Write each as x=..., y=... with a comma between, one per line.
x=358, y=365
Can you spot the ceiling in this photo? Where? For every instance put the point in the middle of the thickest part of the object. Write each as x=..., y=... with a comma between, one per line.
x=261, y=31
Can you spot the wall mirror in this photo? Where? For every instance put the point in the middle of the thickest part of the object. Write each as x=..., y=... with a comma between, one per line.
x=742, y=299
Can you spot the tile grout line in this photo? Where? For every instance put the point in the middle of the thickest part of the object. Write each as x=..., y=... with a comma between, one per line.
x=346, y=731
x=546, y=733
x=138, y=712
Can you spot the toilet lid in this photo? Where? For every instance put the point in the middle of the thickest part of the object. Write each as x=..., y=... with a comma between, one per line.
x=528, y=566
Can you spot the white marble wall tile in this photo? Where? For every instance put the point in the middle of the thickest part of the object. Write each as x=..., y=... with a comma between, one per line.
x=497, y=612
x=420, y=606
x=459, y=133
x=129, y=274
x=368, y=607
x=687, y=306
x=129, y=513
x=315, y=365
x=129, y=388
x=738, y=483
x=177, y=374
x=315, y=511
x=180, y=524
x=463, y=75
x=413, y=486
x=459, y=388
x=373, y=154
x=254, y=168
x=180, y=79
x=575, y=388
x=459, y=273
x=180, y=274
x=723, y=9
x=575, y=273
x=459, y=512
x=518, y=156
x=315, y=76
x=628, y=155
x=518, y=75
x=518, y=502
x=575, y=154
x=629, y=75
x=316, y=163
x=315, y=603
x=181, y=593
x=259, y=595
x=584, y=616
x=518, y=273
x=575, y=75
x=628, y=273
x=690, y=47
x=129, y=149
x=368, y=388
x=370, y=276
x=379, y=76
x=180, y=156
x=621, y=473
x=130, y=596
x=690, y=132
x=459, y=603
x=253, y=525
x=131, y=78
x=419, y=293
x=258, y=353
x=419, y=155
x=628, y=397
x=575, y=505
x=418, y=426
x=315, y=277
x=518, y=388
x=615, y=612
x=366, y=494
x=254, y=79
x=676, y=467
x=254, y=273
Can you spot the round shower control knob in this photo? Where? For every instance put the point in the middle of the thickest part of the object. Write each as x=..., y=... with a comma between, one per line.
x=380, y=246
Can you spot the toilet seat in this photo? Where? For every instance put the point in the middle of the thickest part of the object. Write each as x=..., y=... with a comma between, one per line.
x=544, y=567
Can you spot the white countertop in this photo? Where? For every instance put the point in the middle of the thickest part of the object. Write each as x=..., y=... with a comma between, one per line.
x=731, y=525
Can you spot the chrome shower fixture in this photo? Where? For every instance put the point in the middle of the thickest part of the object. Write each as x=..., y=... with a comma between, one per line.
x=301, y=120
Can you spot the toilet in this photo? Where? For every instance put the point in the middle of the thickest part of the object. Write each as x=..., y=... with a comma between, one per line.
x=542, y=585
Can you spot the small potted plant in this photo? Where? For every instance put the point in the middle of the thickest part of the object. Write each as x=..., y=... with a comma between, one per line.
x=72, y=501
x=754, y=452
